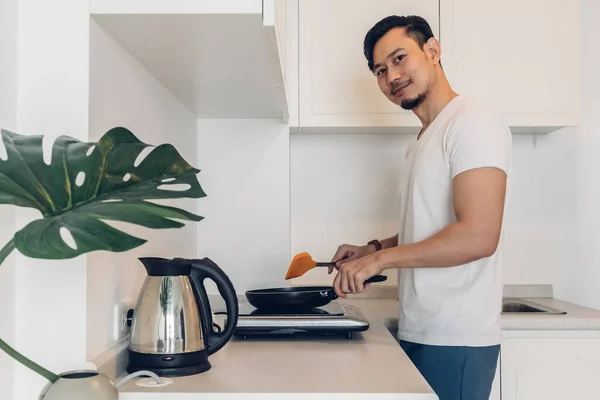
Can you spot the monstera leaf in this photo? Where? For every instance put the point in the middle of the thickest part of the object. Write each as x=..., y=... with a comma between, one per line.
x=87, y=183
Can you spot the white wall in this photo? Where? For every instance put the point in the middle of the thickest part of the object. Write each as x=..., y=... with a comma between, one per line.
x=554, y=227
x=344, y=189
x=8, y=115
x=582, y=274
x=122, y=93
x=7, y=303
x=52, y=99
x=245, y=172
x=541, y=226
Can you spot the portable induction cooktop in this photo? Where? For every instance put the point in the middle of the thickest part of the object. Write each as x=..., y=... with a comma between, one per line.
x=331, y=319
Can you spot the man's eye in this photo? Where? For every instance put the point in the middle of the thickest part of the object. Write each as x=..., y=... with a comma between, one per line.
x=379, y=71
x=400, y=57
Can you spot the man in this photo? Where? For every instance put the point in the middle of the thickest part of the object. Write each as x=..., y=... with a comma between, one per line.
x=448, y=250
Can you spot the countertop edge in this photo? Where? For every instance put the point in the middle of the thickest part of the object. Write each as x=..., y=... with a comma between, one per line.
x=277, y=396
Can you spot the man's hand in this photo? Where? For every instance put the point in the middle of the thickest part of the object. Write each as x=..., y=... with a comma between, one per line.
x=347, y=252
x=352, y=275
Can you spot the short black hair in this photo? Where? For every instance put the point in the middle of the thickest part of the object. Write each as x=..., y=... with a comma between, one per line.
x=416, y=28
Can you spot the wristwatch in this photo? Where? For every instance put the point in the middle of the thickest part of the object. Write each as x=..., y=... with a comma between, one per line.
x=375, y=243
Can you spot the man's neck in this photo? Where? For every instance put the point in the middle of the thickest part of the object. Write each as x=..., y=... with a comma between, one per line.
x=436, y=100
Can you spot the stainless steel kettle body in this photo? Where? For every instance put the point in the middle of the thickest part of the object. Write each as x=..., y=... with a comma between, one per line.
x=171, y=322
x=172, y=329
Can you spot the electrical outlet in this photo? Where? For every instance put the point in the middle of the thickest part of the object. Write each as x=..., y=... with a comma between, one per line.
x=120, y=329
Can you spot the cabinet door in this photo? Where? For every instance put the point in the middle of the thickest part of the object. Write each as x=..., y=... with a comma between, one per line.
x=522, y=58
x=550, y=369
x=336, y=89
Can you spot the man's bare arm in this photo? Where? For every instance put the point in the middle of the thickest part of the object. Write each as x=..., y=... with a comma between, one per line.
x=389, y=242
x=478, y=196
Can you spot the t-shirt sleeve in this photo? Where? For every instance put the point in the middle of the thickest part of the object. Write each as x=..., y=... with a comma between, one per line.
x=478, y=140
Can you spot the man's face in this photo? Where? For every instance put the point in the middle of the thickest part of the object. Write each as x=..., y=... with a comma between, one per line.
x=403, y=70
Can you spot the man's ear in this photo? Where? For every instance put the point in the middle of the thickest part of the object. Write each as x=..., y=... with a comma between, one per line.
x=433, y=50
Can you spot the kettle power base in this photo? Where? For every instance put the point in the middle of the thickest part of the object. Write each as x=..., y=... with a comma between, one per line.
x=169, y=365
x=330, y=320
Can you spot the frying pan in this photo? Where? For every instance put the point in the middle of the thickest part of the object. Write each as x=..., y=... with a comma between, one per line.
x=297, y=297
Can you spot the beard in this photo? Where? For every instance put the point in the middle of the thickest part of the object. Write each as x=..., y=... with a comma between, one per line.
x=409, y=104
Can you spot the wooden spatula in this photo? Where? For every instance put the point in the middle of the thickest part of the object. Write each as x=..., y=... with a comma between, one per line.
x=303, y=262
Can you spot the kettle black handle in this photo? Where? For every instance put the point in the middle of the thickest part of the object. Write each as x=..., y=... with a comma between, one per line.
x=206, y=268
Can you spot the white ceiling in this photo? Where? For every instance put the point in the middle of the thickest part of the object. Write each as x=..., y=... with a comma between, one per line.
x=217, y=65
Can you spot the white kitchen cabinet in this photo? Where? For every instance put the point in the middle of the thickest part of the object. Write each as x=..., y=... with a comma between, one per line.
x=522, y=58
x=550, y=368
x=336, y=88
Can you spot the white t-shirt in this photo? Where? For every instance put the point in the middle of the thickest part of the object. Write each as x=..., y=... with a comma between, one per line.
x=451, y=306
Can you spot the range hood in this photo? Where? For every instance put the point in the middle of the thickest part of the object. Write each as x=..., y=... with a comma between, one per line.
x=220, y=58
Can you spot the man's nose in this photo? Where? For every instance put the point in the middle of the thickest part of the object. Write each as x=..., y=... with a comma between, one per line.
x=393, y=75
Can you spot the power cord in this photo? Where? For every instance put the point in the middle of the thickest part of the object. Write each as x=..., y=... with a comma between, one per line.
x=215, y=325
x=140, y=373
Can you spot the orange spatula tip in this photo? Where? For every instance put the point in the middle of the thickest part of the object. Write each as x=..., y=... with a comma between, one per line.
x=301, y=263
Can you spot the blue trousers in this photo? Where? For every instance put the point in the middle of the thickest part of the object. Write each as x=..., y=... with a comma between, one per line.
x=455, y=373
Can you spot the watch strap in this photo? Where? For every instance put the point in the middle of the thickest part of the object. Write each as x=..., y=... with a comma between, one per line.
x=376, y=243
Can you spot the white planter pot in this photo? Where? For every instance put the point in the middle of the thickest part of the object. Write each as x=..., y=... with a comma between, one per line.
x=78, y=385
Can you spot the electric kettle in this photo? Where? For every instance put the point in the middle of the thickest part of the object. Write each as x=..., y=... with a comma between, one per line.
x=172, y=330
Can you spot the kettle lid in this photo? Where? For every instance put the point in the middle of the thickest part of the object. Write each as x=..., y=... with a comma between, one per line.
x=156, y=266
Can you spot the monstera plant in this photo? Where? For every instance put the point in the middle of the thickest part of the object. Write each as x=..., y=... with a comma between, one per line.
x=84, y=184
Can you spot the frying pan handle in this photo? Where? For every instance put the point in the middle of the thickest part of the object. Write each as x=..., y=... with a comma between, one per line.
x=376, y=278
x=330, y=294
x=206, y=268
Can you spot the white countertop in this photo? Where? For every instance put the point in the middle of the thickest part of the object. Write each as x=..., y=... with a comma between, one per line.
x=576, y=318
x=370, y=365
